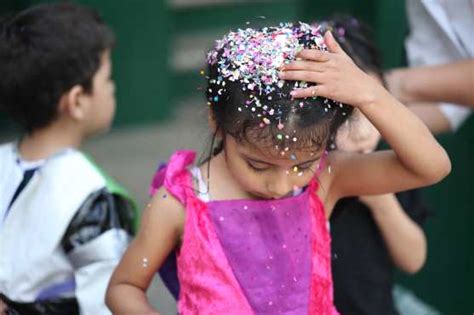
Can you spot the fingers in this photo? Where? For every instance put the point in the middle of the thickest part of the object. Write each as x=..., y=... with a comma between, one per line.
x=313, y=91
x=332, y=44
x=314, y=55
x=307, y=76
x=299, y=65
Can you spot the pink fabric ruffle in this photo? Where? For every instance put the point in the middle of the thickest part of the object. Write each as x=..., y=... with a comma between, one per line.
x=321, y=300
x=207, y=284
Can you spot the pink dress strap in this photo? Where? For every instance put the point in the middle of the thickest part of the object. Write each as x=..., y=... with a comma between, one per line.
x=175, y=176
x=322, y=295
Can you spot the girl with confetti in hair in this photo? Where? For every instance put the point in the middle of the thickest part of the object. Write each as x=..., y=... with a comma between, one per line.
x=250, y=223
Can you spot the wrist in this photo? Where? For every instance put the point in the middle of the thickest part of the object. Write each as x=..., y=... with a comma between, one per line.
x=374, y=97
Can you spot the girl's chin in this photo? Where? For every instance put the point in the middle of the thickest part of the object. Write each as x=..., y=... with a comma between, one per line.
x=258, y=195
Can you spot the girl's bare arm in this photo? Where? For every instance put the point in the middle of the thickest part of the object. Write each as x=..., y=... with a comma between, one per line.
x=160, y=230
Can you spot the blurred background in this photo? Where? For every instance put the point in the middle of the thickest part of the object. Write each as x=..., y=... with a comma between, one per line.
x=157, y=60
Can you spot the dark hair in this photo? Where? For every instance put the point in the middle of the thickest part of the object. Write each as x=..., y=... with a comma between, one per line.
x=357, y=39
x=308, y=123
x=45, y=51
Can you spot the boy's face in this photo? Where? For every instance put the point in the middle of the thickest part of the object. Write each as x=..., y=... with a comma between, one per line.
x=102, y=98
x=270, y=175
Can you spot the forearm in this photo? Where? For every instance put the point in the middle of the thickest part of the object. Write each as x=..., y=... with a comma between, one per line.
x=404, y=239
x=452, y=83
x=414, y=145
x=124, y=299
x=432, y=117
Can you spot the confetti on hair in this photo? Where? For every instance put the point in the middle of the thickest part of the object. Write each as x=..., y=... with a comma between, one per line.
x=253, y=58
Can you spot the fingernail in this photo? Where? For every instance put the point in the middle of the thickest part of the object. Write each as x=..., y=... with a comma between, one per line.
x=282, y=74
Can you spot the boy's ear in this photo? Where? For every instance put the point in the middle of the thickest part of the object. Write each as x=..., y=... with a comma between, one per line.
x=74, y=103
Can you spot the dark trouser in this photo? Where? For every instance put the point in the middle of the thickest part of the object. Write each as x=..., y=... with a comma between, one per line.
x=60, y=306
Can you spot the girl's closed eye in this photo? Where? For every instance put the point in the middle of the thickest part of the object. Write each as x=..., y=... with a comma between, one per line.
x=262, y=167
x=306, y=166
x=257, y=166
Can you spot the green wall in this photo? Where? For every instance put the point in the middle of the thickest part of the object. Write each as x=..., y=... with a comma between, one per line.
x=140, y=57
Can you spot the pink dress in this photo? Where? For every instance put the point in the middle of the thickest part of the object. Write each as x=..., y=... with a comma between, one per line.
x=250, y=256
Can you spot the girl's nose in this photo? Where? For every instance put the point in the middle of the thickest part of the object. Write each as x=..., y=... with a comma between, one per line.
x=280, y=186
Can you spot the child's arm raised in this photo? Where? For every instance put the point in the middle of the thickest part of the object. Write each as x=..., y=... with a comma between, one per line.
x=417, y=159
x=161, y=226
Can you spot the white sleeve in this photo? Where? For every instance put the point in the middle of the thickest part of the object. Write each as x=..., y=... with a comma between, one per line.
x=455, y=114
x=94, y=263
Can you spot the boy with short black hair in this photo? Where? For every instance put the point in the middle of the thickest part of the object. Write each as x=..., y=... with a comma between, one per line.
x=63, y=228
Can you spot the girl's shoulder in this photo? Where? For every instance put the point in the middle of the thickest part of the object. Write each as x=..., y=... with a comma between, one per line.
x=164, y=209
x=175, y=176
x=169, y=192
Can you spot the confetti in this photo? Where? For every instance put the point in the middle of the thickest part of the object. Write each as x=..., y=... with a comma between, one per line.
x=253, y=58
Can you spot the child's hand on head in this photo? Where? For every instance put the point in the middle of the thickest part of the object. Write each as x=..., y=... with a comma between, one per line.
x=357, y=135
x=336, y=75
